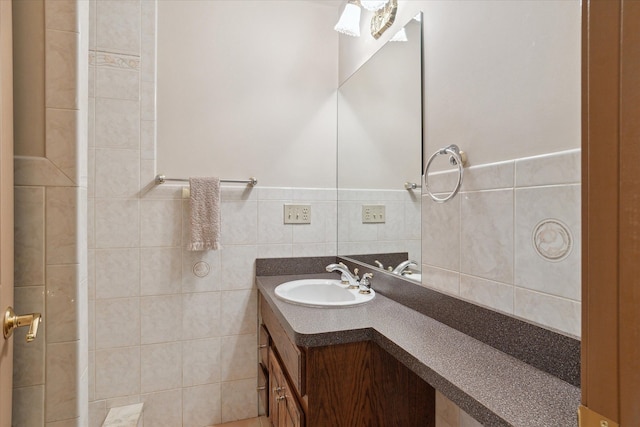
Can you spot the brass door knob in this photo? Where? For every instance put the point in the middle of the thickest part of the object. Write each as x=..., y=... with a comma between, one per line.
x=12, y=321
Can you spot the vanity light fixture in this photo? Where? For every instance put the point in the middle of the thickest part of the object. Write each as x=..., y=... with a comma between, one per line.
x=400, y=36
x=383, y=18
x=349, y=22
x=373, y=5
x=384, y=13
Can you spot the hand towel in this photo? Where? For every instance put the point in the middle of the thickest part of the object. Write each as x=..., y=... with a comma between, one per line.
x=205, y=214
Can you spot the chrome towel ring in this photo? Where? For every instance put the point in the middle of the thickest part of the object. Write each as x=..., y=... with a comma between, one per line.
x=457, y=157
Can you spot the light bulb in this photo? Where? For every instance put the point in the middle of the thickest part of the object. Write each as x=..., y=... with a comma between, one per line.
x=400, y=36
x=373, y=5
x=349, y=22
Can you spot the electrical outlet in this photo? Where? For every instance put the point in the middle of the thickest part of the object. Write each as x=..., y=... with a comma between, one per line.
x=297, y=214
x=373, y=214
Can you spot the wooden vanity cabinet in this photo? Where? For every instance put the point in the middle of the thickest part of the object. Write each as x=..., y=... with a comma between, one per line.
x=351, y=385
x=285, y=410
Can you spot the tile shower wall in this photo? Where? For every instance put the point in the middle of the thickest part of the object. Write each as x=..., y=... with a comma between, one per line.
x=168, y=327
x=511, y=239
x=51, y=373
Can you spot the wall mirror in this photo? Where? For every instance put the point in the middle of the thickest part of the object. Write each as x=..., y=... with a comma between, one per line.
x=380, y=154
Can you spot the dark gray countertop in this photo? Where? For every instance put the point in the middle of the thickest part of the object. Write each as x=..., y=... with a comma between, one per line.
x=493, y=387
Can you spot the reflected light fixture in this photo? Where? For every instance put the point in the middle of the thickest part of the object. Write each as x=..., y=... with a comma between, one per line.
x=400, y=36
x=349, y=22
x=373, y=5
x=383, y=18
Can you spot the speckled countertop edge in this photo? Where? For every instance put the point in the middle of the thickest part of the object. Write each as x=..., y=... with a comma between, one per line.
x=550, y=351
x=493, y=387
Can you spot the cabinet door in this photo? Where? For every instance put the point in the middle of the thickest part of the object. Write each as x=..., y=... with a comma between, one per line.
x=293, y=414
x=274, y=386
x=284, y=408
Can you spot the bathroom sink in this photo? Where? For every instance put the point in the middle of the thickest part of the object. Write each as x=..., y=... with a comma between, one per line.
x=321, y=293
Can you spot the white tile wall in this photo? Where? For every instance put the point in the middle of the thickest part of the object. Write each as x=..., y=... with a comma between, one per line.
x=62, y=69
x=117, y=372
x=61, y=391
x=201, y=362
x=163, y=409
x=117, y=123
x=161, y=367
x=118, y=26
x=61, y=141
x=161, y=318
x=51, y=236
x=534, y=204
x=61, y=303
x=399, y=233
x=198, y=407
x=28, y=364
x=441, y=223
x=480, y=245
x=28, y=405
x=29, y=231
x=117, y=273
x=238, y=398
x=450, y=415
x=486, y=234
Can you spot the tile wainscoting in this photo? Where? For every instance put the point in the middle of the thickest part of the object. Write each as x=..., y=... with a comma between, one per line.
x=510, y=240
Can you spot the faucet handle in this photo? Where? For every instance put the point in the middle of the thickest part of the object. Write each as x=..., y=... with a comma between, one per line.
x=365, y=283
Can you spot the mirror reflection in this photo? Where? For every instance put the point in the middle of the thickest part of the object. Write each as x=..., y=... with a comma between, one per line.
x=380, y=156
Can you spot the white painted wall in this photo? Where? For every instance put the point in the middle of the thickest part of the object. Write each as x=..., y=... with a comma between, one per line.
x=502, y=78
x=248, y=89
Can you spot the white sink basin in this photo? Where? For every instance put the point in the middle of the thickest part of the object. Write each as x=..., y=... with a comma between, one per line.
x=321, y=293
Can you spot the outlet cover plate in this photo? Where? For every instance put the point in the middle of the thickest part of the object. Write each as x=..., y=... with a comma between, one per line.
x=373, y=214
x=297, y=214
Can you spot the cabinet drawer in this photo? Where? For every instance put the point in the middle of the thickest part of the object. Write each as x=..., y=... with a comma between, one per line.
x=289, y=353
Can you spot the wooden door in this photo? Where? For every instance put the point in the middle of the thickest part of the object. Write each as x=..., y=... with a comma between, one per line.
x=611, y=213
x=6, y=205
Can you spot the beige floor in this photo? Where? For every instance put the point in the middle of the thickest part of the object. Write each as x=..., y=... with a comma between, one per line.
x=251, y=422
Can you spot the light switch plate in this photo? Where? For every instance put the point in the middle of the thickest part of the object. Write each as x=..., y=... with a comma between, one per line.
x=373, y=214
x=297, y=214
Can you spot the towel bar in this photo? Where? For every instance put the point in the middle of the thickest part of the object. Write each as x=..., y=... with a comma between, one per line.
x=161, y=179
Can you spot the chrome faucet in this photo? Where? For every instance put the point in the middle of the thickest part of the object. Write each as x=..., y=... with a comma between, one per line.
x=365, y=284
x=351, y=278
x=404, y=265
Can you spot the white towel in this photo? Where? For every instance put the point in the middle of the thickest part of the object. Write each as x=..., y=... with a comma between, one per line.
x=205, y=214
